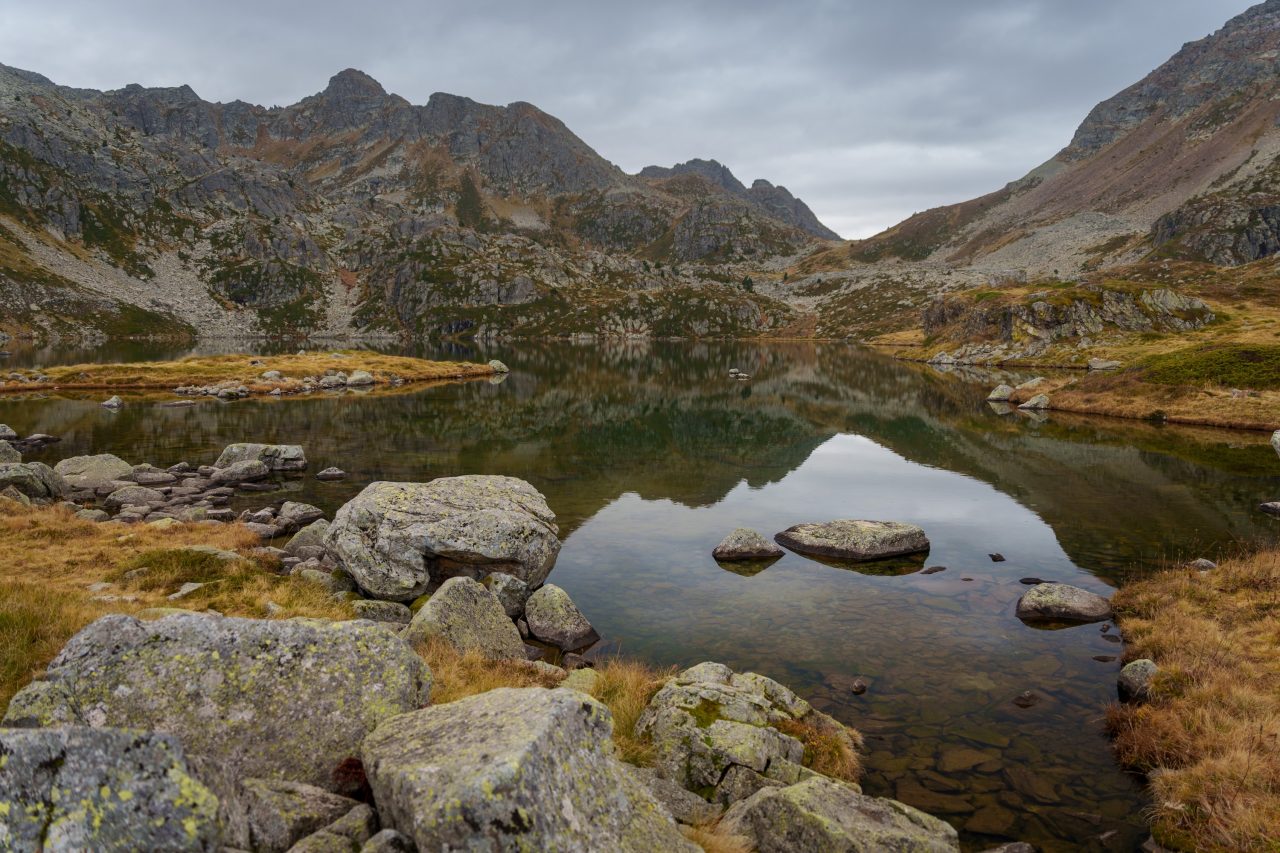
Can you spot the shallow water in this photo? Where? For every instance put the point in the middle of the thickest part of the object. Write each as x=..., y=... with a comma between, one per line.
x=649, y=455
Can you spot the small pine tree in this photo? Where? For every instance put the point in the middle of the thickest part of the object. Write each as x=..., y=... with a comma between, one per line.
x=747, y=284
x=470, y=208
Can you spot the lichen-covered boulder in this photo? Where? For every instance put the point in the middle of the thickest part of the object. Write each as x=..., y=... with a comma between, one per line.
x=360, y=378
x=92, y=472
x=468, y=617
x=293, y=516
x=1000, y=394
x=822, y=814
x=1134, y=682
x=275, y=814
x=713, y=732
x=311, y=536
x=1037, y=403
x=36, y=480
x=745, y=544
x=132, y=496
x=527, y=769
x=72, y=789
x=398, y=539
x=383, y=611
x=512, y=593
x=849, y=539
x=553, y=618
x=277, y=457
x=247, y=698
x=1059, y=602
x=244, y=471
x=9, y=453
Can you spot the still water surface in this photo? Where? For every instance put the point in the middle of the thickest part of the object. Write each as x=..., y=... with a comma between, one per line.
x=649, y=454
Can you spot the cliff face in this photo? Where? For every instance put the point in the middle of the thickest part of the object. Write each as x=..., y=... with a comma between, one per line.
x=329, y=215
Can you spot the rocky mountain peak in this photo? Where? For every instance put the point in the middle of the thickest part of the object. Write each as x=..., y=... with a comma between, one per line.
x=353, y=83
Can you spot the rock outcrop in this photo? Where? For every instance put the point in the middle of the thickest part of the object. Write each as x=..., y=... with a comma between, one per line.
x=400, y=539
x=277, y=457
x=468, y=617
x=36, y=480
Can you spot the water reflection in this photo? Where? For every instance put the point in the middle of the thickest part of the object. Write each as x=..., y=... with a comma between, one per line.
x=650, y=454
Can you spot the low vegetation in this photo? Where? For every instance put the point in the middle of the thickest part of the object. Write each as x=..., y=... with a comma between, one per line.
x=248, y=370
x=1209, y=736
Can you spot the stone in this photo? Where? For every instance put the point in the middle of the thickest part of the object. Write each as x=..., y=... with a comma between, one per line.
x=92, y=515
x=360, y=378
x=90, y=472
x=35, y=480
x=9, y=453
x=1270, y=508
x=275, y=814
x=246, y=471
x=498, y=367
x=1037, y=403
x=1202, y=565
x=584, y=679
x=132, y=496
x=113, y=402
x=399, y=539
x=7, y=433
x=1275, y=441
x=745, y=544
x=185, y=590
x=855, y=540
x=511, y=592
x=75, y=788
x=1058, y=602
x=468, y=617
x=822, y=814
x=331, y=473
x=389, y=841
x=277, y=457
x=383, y=611
x=1000, y=394
x=1103, y=364
x=527, y=769
x=273, y=376
x=294, y=516
x=554, y=618
x=1134, y=682
x=247, y=698
x=310, y=536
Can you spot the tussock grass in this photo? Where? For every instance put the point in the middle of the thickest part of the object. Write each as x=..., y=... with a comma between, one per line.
x=458, y=675
x=625, y=687
x=712, y=839
x=51, y=558
x=205, y=370
x=827, y=751
x=1209, y=737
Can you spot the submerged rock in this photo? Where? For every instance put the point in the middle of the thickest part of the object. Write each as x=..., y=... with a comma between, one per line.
x=553, y=618
x=745, y=544
x=100, y=789
x=247, y=698
x=1062, y=603
x=468, y=617
x=35, y=480
x=527, y=769
x=822, y=814
x=399, y=539
x=277, y=457
x=855, y=540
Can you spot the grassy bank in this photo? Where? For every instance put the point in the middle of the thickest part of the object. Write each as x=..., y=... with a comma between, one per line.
x=1209, y=737
x=248, y=369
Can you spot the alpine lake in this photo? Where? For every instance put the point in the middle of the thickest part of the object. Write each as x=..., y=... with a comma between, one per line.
x=650, y=453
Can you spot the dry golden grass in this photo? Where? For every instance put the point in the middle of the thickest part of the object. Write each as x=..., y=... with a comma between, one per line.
x=205, y=370
x=825, y=751
x=625, y=687
x=1210, y=733
x=51, y=558
x=458, y=675
x=712, y=839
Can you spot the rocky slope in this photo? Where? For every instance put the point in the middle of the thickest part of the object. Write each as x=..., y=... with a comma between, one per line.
x=153, y=211
x=1180, y=166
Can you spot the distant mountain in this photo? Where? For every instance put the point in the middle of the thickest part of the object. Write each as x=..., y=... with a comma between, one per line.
x=771, y=200
x=150, y=210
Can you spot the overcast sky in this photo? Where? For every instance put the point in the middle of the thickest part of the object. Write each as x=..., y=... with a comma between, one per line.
x=869, y=110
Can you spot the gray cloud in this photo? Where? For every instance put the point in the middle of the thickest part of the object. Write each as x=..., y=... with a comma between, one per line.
x=869, y=111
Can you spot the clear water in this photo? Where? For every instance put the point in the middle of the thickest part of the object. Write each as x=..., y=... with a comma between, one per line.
x=649, y=454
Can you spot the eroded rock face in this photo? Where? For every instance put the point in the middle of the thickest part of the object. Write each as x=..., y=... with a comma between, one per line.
x=554, y=618
x=745, y=544
x=822, y=814
x=91, y=472
x=399, y=539
x=468, y=617
x=1059, y=602
x=277, y=457
x=101, y=789
x=36, y=480
x=713, y=732
x=247, y=698
x=855, y=540
x=513, y=769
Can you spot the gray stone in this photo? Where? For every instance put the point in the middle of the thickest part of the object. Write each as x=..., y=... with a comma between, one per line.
x=1103, y=364
x=553, y=618
x=1202, y=565
x=1275, y=441
x=498, y=367
x=36, y=480
x=331, y=473
x=1037, y=403
x=745, y=544
x=511, y=592
x=277, y=457
x=855, y=540
x=294, y=516
x=74, y=789
x=383, y=611
x=1134, y=682
x=527, y=769
x=275, y=814
x=468, y=617
x=311, y=536
x=7, y=433
x=92, y=515
x=360, y=378
x=90, y=472
x=247, y=698
x=245, y=471
x=113, y=402
x=389, y=841
x=1000, y=394
x=9, y=453
x=684, y=806
x=398, y=539
x=822, y=814
x=1058, y=602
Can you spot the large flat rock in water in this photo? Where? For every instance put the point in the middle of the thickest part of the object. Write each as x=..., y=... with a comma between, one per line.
x=399, y=539
x=513, y=769
x=247, y=698
x=1059, y=602
x=855, y=540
